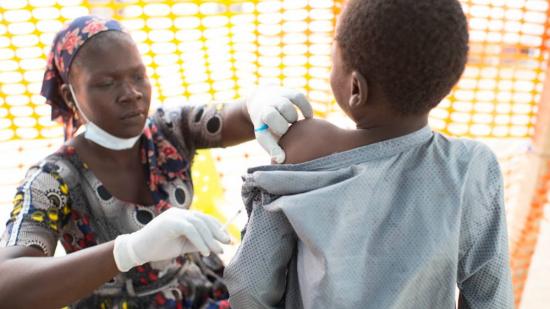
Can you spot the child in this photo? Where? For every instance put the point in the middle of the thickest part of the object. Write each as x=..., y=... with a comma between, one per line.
x=391, y=214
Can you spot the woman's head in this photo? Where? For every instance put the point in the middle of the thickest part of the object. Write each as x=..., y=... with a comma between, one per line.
x=102, y=64
x=110, y=83
x=410, y=53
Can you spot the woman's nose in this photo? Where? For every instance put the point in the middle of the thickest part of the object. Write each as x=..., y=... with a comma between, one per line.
x=130, y=92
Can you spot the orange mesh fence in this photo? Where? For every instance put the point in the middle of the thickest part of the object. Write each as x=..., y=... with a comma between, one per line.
x=523, y=253
x=199, y=51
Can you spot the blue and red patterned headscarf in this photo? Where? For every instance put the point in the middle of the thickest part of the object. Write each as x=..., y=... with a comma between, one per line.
x=65, y=46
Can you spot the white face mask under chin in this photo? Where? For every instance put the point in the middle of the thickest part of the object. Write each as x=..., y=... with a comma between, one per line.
x=101, y=137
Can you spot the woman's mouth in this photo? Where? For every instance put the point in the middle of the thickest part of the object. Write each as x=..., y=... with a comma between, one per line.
x=131, y=115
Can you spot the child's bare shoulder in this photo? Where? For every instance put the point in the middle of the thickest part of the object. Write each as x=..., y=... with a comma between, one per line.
x=309, y=139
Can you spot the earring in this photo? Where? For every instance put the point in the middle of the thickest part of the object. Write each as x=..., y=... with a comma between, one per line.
x=74, y=110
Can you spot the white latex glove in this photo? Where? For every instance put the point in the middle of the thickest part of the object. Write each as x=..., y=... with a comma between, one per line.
x=174, y=232
x=271, y=109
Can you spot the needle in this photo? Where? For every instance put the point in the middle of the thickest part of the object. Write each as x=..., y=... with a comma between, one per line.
x=230, y=221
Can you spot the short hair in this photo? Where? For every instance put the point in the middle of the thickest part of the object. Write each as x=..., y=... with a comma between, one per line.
x=414, y=50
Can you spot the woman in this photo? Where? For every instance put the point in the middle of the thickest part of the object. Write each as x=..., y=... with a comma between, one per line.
x=117, y=196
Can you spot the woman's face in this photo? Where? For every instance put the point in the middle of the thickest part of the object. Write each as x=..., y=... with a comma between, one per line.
x=111, y=85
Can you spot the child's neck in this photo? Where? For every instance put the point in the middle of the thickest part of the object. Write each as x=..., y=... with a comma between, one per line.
x=394, y=126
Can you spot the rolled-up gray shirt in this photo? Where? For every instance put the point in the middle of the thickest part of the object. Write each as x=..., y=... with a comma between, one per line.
x=396, y=224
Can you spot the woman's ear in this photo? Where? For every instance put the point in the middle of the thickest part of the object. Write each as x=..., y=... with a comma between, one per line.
x=359, y=90
x=68, y=98
x=67, y=95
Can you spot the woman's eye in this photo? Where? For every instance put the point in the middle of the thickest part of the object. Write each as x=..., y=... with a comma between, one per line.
x=106, y=83
x=139, y=77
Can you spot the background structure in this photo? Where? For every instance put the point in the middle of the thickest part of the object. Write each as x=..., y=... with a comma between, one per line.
x=203, y=51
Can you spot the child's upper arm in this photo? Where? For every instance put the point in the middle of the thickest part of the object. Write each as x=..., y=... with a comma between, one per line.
x=308, y=139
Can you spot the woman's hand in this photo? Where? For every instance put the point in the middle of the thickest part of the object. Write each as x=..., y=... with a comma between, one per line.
x=271, y=109
x=174, y=232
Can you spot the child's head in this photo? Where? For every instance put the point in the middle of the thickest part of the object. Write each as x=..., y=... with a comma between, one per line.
x=407, y=53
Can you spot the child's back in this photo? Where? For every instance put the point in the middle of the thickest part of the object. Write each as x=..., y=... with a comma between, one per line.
x=395, y=224
x=390, y=215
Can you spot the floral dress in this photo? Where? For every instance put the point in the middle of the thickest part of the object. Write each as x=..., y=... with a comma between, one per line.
x=61, y=199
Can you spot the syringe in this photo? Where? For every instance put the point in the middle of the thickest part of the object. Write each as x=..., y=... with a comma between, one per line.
x=230, y=220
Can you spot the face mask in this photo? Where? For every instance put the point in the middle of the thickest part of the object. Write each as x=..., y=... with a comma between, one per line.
x=101, y=137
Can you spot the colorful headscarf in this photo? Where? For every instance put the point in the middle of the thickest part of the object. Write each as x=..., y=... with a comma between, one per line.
x=65, y=46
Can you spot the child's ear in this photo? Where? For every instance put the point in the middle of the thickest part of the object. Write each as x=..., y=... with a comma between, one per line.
x=359, y=90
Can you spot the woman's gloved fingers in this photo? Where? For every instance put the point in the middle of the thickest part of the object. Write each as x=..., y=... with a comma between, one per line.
x=276, y=122
x=300, y=100
x=287, y=110
x=211, y=221
x=222, y=236
x=216, y=228
x=206, y=234
x=271, y=109
x=189, y=231
x=269, y=143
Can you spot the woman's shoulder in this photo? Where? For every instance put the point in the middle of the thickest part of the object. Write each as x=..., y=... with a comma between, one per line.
x=56, y=169
x=190, y=126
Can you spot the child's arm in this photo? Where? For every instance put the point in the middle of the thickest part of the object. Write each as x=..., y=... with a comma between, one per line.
x=256, y=276
x=484, y=276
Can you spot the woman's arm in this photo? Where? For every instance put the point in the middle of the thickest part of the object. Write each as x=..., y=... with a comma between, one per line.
x=32, y=280
x=237, y=126
x=29, y=277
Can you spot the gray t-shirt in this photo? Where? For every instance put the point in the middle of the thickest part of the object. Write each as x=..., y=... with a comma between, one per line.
x=396, y=224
